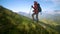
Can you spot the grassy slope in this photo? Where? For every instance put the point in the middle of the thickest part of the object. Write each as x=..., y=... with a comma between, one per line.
x=52, y=24
x=13, y=23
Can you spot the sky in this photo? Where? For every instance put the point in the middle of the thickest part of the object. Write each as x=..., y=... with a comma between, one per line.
x=25, y=5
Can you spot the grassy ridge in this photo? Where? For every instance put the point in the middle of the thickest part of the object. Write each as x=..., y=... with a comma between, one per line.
x=13, y=23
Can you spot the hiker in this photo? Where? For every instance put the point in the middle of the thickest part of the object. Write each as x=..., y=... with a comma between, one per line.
x=36, y=10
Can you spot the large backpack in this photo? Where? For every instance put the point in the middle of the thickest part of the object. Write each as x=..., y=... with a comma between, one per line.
x=39, y=8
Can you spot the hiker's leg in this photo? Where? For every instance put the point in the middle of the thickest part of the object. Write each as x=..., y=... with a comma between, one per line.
x=37, y=17
x=33, y=16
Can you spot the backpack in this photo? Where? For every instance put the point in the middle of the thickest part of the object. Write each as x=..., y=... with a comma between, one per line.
x=39, y=8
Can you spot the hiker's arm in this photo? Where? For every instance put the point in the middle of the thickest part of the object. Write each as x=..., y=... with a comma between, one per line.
x=33, y=7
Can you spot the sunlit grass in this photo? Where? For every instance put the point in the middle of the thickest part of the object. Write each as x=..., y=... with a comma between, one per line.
x=50, y=22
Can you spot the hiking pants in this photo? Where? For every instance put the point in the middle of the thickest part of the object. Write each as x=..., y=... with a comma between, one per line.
x=35, y=17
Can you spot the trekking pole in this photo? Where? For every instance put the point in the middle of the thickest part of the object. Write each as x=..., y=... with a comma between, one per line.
x=30, y=11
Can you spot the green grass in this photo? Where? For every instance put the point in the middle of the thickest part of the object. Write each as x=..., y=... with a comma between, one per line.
x=13, y=23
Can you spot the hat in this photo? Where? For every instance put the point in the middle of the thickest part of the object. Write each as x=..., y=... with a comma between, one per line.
x=35, y=1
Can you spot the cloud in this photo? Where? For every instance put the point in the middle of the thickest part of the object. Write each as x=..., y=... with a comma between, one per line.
x=53, y=12
x=56, y=1
x=57, y=11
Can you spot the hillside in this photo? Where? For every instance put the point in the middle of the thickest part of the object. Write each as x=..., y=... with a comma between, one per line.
x=13, y=23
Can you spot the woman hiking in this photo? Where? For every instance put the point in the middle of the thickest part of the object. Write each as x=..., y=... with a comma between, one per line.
x=36, y=11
